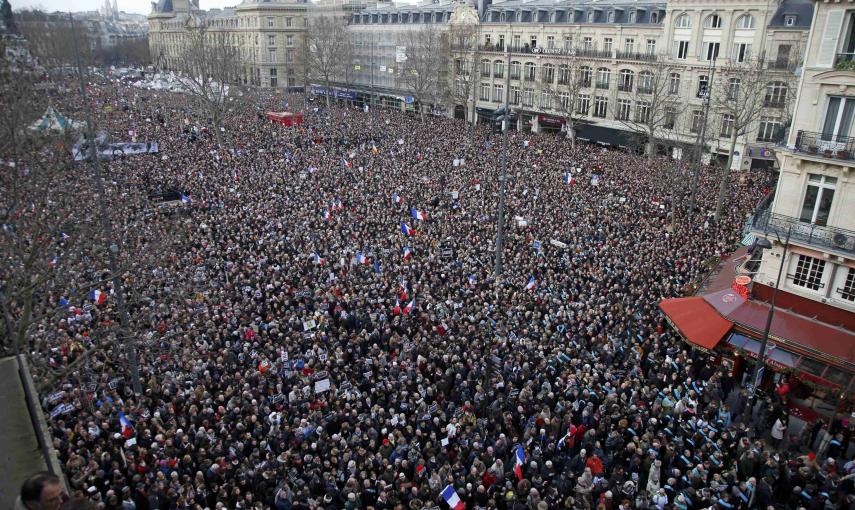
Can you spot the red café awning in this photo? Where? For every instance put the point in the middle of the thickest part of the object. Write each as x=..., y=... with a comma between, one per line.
x=696, y=320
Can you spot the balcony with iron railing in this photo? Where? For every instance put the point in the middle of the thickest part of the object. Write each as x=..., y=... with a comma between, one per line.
x=624, y=87
x=603, y=85
x=772, y=103
x=529, y=77
x=823, y=145
x=803, y=233
x=515, y=76
x=645, y=90
x=636, y=55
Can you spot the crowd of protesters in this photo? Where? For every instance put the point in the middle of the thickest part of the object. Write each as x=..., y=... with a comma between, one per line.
x=319, y=326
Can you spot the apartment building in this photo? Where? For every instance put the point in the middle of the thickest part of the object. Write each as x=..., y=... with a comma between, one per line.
x=617, y=42
x=797, y=286
x=267, y=34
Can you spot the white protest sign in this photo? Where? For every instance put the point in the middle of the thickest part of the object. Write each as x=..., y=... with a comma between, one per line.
x=322, y=385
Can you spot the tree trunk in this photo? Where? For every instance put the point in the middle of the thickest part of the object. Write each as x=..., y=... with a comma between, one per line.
x=327, y=95
x=571, y=133
x=724, y=178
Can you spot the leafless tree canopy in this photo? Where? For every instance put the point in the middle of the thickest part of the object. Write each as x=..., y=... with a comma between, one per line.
x=326, y=44
x=460, y=86
x=655, y=104
x=566, y=91
x=209, y=68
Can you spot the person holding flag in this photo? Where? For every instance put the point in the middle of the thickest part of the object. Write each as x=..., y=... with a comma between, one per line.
x=519, y=461
x=418, y=215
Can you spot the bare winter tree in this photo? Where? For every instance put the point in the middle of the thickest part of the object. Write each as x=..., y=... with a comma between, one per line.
x=208, y=66
x=326, y=42
x=744, y=93
x=461, y=86
x=425, y=70
x=566, y=93
x=655, y=102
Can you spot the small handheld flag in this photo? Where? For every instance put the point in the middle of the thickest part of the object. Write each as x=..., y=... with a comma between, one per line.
x=419, y=215
x=361, y=258
x=327, y=215
x=532, y=283
x=185, y=199
x=319, y=260
x=410, y=306
x=406, y=229
x=472, y=280
x=519, y=460
x=408, y=253
x=97, y=296
x=396, y=198
x=568, y=179
x=397, y=309
x=452, y=499
x=126, y=426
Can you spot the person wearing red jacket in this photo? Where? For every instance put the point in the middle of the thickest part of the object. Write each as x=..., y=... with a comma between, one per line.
x=596, y=464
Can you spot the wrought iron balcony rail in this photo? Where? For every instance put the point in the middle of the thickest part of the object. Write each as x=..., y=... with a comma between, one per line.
x=637, y=55
x=602, y=85
x=845, y=61
x=826, y=145
x=623, y=87
x=811, y=234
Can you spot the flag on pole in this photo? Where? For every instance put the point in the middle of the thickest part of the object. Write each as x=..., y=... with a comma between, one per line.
x=327, y=215
x=397, y=199
x=452, y=499
x=408, y=253
x=397, y=309
x=361, y=258
x=406, y=229
x=53, y=261
x=97, y=296
x=532, y=283
x=402, y=294
x=345, y=163
x=419, y=215
x=319, y=260
x=519, y=460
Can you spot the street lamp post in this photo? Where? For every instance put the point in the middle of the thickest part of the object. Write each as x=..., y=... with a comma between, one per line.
x=500, y=235
x=765, y=245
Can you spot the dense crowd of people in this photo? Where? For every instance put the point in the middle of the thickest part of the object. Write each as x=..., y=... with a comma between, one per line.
x=319, y=326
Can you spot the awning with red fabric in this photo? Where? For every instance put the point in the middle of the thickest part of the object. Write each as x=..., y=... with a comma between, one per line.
x=696, y=320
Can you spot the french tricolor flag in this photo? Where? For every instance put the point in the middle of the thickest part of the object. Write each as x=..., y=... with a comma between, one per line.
x=319, y=260
x=345, y=163
x=406, y=229
x=532, y=283
x=126, y=425
x=568, y=179
x=396, y=198
x=410, y=306
x=419, y=215
x=338, y=206
x=450, y=496
x=402, y=293
x=97, y=296
x=52, y=262
x=408, y=253
x=472, y=280
x=397, y=309
x=519, y=460
x=361, y=258
x=327, y=215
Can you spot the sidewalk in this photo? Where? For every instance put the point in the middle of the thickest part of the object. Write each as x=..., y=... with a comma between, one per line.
x=19, y=448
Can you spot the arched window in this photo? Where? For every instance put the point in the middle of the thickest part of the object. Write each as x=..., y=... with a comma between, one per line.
x=645, y=82
x=585, y=76
x=745, y=21
x=712, y=21
x=548, y=73
x=485, y=67
x=563, y=74
x=625, y=81
x=530, y=71
x=515, y=70
x=611, y=17
x=674, y=83
x=654, y=17
x=683, y=21
x=498, y=68
x=776, y=94
x=603, y=76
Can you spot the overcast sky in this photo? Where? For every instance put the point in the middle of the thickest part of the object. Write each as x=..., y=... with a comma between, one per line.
x=135, y=6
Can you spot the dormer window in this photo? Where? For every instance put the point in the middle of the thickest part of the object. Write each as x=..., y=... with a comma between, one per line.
x=611, y=16
x=790, y=20
x=590, y=16
x=632, y=16
x=654, y=17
